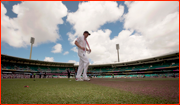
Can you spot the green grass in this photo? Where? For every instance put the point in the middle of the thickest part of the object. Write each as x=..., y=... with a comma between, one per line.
x=62, y=91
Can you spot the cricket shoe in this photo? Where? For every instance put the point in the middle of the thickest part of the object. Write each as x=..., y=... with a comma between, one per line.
x=79, y=79
x=86, y=79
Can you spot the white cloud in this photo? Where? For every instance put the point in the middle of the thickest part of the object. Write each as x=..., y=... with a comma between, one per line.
x=73, y=61
x=157, y=22
x=50, y=59
x=74, y=49
x=153, y=12
x=93, y=14
x=57, y=48
x=156, y=28
x=104, y=49
x=71, y=38
x=32, y=21
x=65, y=53
x=128, y=3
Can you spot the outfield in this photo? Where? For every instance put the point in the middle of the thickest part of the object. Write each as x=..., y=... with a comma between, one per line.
x=63, y=91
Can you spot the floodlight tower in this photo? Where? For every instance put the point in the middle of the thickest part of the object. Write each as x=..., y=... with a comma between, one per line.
x=117, y=48
x=32, y=42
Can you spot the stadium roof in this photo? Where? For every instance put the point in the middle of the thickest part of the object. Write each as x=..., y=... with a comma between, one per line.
x=172, y=56
x=7, y=58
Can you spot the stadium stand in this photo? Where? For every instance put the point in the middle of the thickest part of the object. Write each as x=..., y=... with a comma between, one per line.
x=162, y=66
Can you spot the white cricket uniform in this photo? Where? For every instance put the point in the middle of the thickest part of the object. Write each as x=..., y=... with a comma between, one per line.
x=83, y=61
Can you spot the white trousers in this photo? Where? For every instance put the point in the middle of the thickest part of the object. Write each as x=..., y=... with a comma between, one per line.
x=83, y=64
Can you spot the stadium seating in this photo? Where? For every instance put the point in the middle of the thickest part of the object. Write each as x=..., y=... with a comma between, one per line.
x=43, y=68
x=141, y=67
x=104, y=70
x=96, y=71
x=175, y=64
x=137, y=67
x=62, y=68
x=35, y=68
x=53, y=68
x=8, y=65
x=160, y=65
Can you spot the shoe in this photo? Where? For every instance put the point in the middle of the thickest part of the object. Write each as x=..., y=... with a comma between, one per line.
x=79, y=79
x=86, y=79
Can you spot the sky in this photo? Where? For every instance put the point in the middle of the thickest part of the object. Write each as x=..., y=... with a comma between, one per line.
x=143, y=29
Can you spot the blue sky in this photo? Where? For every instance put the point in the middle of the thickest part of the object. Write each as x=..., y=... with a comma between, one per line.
x=115, y=27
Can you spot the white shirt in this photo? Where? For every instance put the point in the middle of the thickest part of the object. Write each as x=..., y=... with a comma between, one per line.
x=82, y=43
